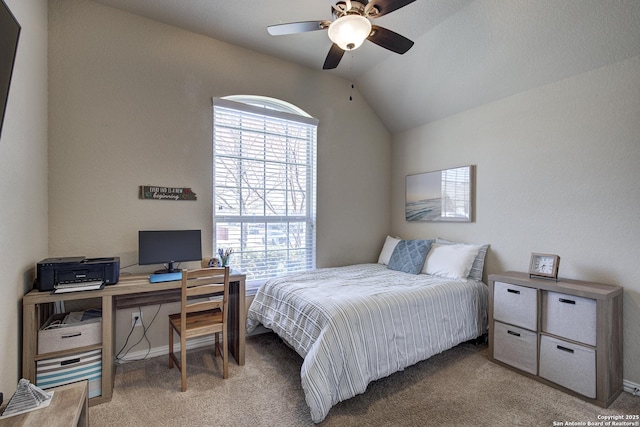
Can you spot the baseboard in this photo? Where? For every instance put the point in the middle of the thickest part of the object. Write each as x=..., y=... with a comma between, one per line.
x=164, y=350
x=191, y=344
x=630, y=387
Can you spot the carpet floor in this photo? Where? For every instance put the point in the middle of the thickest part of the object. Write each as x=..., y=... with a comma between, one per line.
x=459, y=387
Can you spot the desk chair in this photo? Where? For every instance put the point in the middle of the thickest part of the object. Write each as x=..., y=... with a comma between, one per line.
x=202, y=316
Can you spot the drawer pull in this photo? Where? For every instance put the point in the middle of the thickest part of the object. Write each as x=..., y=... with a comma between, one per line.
x=69, y=362
x=566, y=301
x=568, y=350
x=513, y=333
x=77, y=334
x=513, y=291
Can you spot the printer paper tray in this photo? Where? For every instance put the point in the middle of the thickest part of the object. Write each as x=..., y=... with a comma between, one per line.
x=80, y=287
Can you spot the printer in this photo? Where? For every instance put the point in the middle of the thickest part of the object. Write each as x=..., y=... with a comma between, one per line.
x=76, y=271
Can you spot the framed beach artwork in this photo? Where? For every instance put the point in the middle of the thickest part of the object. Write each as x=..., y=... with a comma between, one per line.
x=440, y=196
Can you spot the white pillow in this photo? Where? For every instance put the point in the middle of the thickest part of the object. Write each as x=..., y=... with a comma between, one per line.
x=477, y=268
x=450, y=261
x=389, y=245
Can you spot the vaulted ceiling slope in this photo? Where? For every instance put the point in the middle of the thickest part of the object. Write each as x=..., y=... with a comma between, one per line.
x=467, y=52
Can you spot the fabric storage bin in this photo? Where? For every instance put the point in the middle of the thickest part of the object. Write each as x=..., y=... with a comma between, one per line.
x=71, y=368
x=570, y=365
x=68, y=336
x=516, y=305
x=569, y=317
x=516, y=347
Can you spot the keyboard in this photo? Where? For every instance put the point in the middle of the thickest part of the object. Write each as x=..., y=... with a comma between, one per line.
x=165, y=277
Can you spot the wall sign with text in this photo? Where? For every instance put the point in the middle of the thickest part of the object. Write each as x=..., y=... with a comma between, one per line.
x=166, y=193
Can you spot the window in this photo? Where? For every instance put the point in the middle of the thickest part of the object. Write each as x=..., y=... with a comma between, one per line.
x=264, y=185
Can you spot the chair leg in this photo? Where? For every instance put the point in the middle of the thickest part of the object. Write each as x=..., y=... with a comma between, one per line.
x=225, y=355
x=216, y=344
x=170, y=345
x=183, y=361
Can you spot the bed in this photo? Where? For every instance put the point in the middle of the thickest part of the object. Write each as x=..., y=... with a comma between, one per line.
x=359, y=323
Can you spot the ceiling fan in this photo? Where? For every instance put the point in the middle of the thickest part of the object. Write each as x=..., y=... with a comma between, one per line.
x=351, y=27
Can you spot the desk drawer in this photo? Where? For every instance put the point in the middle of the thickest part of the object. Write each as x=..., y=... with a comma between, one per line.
x=68, y=369
x=68, y=336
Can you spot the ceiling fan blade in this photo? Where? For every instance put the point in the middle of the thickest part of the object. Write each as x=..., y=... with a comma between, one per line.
x=297, y=27
x=333, y=58
x=389, y=40
x=377, y=8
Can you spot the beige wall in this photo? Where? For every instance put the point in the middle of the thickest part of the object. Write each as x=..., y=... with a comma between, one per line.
x=557, y=172
x=130, y=105
x=23, y=182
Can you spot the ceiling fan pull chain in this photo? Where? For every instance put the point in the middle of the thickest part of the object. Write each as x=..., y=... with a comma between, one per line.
x=351, y=77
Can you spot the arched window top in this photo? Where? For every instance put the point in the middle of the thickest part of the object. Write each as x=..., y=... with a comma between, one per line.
x=264, y=185
x=267, y=102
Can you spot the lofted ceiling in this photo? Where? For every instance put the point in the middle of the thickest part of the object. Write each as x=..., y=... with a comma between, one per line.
x=467, y=52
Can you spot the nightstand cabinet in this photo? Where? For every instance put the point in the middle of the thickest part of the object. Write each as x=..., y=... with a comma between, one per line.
x=566, y=333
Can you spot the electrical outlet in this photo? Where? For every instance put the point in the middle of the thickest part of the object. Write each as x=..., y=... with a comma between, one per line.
x=136, y=319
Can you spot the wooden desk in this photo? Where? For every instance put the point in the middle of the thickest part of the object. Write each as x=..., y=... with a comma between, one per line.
x=36, y=308
x=68, y=407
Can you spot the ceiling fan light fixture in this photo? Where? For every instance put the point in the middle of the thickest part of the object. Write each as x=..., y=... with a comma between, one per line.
x=349, y=31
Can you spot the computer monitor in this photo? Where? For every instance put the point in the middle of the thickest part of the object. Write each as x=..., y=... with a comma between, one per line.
x=168, y=247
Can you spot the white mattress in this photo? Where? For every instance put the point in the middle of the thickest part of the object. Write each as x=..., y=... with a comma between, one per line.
x=356, y=324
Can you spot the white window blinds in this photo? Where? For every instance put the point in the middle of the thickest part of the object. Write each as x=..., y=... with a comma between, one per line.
x=264, y=165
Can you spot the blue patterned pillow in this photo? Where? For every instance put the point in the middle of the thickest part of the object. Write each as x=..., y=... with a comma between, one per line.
x=409, y=255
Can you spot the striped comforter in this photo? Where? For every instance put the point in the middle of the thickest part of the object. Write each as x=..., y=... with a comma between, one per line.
x=356, y=324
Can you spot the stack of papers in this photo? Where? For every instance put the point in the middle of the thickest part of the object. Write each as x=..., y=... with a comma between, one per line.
x=74, y=318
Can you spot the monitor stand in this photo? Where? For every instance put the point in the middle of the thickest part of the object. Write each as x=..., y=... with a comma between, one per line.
x=167, y=270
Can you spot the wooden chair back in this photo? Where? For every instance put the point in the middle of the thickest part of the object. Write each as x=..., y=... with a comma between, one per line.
x=201, y=283
x=200, y=315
